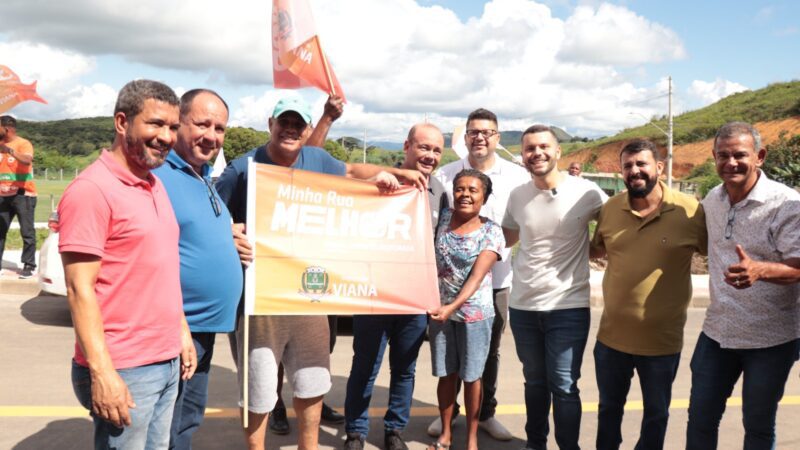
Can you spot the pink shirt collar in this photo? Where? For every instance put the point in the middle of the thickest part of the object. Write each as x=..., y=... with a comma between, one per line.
x=122, y=173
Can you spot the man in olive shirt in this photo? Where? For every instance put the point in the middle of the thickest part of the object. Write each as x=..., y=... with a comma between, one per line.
x=649, y=234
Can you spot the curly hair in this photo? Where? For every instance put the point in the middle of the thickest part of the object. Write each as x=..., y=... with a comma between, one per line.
x=486, y=182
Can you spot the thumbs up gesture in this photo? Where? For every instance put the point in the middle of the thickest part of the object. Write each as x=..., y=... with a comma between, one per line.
x=743, y=274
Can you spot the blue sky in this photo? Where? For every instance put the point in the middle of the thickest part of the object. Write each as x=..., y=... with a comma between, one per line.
x=583, y=66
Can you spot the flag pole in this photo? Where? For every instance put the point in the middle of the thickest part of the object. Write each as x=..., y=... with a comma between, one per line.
x=246, y=369
x=325, y=66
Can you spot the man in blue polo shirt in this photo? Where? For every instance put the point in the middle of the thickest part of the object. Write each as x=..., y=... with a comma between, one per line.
x=211, y=273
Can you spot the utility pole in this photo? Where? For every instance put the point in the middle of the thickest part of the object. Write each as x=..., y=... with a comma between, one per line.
x=365, y=145
x=669, y=136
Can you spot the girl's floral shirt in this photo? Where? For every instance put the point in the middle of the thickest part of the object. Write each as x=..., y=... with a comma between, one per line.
x=455, y=255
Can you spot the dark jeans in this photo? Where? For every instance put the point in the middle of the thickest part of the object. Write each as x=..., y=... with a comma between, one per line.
x=21, y=206
x=550, y=346
x=715, y=371
x=190, y=406
x=333, y=327
x=614, y=370
x=404, y=334
x=492, y=367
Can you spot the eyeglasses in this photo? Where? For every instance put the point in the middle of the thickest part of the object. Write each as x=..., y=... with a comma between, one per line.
x=729, y=225
x=486, y=133
x=213, y=198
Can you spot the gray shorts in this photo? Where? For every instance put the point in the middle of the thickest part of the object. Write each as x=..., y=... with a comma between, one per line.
x=300, y=342
x=460, y=347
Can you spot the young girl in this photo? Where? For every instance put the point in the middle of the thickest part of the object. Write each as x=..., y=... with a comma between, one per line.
x=467, y=245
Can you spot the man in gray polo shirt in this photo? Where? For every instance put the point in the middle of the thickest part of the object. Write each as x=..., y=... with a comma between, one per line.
x=751, y=326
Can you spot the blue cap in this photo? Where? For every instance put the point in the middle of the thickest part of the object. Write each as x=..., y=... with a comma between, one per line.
x=293, y=104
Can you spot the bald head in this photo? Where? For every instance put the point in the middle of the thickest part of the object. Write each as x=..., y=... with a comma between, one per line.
x=423, y=148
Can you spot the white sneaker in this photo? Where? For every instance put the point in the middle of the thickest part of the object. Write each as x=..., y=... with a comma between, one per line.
x=493, y=427
x=435, y=428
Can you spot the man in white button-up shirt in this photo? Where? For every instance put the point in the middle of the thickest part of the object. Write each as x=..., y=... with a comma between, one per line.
x=481, y=138
x=753, y=322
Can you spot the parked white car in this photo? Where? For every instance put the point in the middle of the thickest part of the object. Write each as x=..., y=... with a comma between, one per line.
x=51, y=271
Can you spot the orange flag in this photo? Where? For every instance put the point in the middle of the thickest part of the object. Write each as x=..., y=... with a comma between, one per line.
x=297, y=57
x=13, y=92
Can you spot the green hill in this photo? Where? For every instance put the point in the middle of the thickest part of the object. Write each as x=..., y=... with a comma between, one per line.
x=776, y=101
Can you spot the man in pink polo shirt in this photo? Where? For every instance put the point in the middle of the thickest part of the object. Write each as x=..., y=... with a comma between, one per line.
x=119, y=245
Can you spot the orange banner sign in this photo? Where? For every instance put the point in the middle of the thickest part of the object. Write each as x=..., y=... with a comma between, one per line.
x=326, y=244
x=14, y=92
x=297, y=57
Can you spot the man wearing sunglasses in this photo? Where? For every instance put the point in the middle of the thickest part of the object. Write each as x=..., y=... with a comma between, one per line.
x=752, y=325
x=211, y=274
x=482, y=137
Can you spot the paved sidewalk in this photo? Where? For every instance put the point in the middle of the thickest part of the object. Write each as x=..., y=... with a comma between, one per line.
x=38, y=409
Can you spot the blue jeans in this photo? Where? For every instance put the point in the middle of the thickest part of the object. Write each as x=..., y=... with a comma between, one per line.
x=492, y=368
x=715, y=371
x=404, y=334
x=550, y=346
x=190, y=406
x=614, y=370
x=153, y=388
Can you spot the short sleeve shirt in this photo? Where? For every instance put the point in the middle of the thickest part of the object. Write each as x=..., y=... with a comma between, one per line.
x=551, y=267
x=647, y=285
x=505, y=176
x=455, y=256
x=211, y=273
x=129, y=223
x=767, y=225
x=13, y=174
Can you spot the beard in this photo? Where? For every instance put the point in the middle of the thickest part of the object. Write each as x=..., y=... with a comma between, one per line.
x=137, y=151
x=642, y=192
x=551, y=165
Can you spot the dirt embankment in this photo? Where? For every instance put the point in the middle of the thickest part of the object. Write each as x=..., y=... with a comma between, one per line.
x=686, y=156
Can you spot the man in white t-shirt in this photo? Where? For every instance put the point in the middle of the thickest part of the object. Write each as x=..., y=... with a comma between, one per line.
x=481, y=138
x=549, y=303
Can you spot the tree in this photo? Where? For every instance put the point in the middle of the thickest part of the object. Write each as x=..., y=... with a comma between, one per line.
x=336, y=150
x=239, y=140
x=705, y=175
x=783, y=160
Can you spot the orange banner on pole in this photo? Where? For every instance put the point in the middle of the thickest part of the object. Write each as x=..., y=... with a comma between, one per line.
x=297, y=57
x=326, y=244
x=14, y=92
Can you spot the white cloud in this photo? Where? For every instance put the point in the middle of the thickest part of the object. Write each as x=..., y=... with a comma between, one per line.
x=708, y=92
x=57, y=72
x=397, y=60
x=615, y=35
x=49, y=65
x=90, y=101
